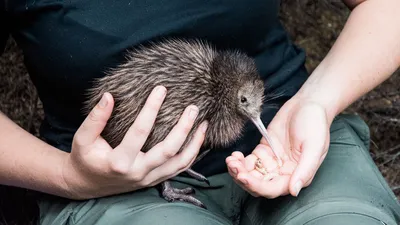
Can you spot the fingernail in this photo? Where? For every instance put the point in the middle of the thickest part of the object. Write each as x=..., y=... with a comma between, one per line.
x=193, y=112
x=160, y=91
x=297, y=187
x=103, y=102
x=204, y=127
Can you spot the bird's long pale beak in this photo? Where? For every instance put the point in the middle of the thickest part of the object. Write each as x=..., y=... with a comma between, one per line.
x=260, y=126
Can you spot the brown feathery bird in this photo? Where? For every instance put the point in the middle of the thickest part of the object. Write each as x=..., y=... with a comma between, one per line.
x=224, y=85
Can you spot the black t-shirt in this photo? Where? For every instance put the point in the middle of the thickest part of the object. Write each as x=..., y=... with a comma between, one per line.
x=67, y=43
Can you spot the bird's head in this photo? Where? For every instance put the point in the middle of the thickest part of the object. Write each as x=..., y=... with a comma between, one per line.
x=250, y=98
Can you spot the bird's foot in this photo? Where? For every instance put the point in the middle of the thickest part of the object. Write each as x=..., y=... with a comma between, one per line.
x=172, y=194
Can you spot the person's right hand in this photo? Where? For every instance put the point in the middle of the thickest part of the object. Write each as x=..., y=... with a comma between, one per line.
x=94, y=169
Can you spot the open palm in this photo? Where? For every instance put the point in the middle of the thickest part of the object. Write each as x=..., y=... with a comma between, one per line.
x=300, y=135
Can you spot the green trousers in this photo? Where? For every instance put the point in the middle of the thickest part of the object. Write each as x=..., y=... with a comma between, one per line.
x=347, y=189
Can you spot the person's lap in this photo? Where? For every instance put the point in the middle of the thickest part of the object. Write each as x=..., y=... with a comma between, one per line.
x=347, y=188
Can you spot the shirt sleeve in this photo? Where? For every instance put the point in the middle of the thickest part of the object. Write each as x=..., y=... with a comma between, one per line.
x=4, y=31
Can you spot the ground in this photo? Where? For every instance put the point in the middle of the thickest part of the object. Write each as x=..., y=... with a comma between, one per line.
x=312, y=27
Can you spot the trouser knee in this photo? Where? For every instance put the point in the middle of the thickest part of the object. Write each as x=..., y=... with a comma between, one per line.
x=342, y=211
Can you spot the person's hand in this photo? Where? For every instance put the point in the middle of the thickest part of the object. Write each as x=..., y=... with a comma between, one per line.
x=94, y=169
x=300, y=133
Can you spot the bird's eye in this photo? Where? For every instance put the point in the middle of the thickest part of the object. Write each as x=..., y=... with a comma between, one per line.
x=243, y=99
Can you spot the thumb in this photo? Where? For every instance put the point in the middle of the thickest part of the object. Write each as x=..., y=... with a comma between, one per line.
x=95, y=122
x=309, y=162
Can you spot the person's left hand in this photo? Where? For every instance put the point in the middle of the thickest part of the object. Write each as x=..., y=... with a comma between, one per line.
x=300, y=134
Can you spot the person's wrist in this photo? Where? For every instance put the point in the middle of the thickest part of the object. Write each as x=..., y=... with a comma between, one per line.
x=324, y=100
x=75, y=182
x=68, y=177
x=52, y=169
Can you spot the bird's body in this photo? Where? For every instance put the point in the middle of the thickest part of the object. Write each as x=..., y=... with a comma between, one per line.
x=193, y=73
x=224, y=85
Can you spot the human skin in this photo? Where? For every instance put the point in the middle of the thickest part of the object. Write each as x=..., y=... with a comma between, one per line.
x=366, y=53
x=93, y=168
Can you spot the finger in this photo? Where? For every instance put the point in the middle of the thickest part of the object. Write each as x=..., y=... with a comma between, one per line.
x=95, y=122
x=232, y=164
x=236, y=167
x=319, y=164
x=233, y=168
x=250, y=162
x=182, y=161
x=168, y=148
x=238, y=155
x=230, y=158
x=241, y=185
x=122, y=158
x=137, y=134
x=307, y=166
x=266, y=188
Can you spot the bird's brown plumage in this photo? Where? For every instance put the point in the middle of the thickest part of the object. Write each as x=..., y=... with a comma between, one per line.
x=193, y=72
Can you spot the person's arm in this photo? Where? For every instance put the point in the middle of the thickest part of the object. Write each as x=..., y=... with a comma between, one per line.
x=26, y=161
x=93, y=168
x=366, y=53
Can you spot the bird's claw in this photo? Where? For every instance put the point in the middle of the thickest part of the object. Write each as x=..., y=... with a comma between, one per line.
x=175, y=194
x=197, y=176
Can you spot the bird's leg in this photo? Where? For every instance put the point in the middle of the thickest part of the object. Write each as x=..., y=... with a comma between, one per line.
x=195, y=174
x=172, y=194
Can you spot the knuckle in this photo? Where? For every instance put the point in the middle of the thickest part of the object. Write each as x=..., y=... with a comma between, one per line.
x=94, y=116
x=309, y=175
x=142, y=131
x=145, y=182
x=184, y=164
x=168, y=151
x=138, y=177
x=168, y=154
x=118, y=167
x=78, y=139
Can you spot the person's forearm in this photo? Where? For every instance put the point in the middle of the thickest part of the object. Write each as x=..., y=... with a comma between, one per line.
x=366, y=53
x=28, y=162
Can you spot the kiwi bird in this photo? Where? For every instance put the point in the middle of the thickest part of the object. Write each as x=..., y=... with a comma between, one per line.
x=223, y=84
